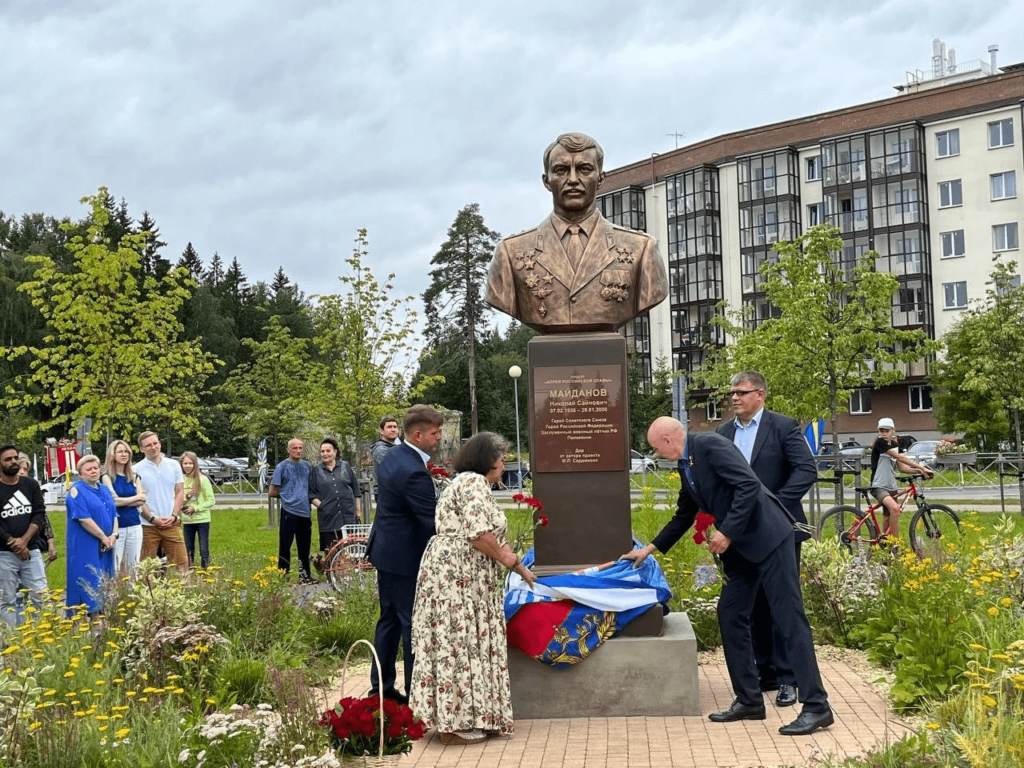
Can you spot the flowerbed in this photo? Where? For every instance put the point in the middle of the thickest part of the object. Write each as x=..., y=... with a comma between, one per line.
x=213, y=671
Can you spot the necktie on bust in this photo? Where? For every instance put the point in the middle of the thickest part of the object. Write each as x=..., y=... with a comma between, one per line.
x=575, y=249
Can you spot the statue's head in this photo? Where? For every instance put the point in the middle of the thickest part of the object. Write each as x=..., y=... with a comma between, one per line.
x=573, y=172
x=575, y=142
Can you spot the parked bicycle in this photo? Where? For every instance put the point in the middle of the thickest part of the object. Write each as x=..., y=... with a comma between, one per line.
x=933, y=528
x=346, y=555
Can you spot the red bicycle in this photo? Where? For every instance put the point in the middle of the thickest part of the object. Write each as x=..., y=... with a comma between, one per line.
x=934, y=528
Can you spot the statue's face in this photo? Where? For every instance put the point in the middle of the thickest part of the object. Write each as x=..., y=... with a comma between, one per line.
x=573, y=179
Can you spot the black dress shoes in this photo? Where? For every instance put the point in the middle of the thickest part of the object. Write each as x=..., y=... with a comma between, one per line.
x=807, y=723
x=769, y=685
x=739, y=711
x=786, y=696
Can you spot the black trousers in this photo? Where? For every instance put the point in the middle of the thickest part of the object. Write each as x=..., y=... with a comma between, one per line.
x=300, y=530
x=779, y=577
x=397, y=594
x=773, y=668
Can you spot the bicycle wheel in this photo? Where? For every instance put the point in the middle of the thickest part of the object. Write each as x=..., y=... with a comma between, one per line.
x=851, y=528
x=346, y=556
x=935, y=532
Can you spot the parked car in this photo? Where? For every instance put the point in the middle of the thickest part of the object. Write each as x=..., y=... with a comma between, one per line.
x=923, y=452
x=639, y=463
x=217, y=471
x=853, y=456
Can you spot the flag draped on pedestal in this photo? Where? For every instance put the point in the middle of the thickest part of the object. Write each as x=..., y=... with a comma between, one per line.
x=563, y=618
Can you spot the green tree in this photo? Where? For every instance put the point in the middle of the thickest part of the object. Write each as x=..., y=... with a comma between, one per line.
x=271, y=395
x=107, y=354
x=152, y=262
x=443, y=375
x=977, y=377
x=454, y=300
x=645, y=405
x=190, y=262
x=363, y=342
x=833, y=331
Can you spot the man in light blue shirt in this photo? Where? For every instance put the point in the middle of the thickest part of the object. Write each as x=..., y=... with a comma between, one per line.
x=775, y=449
x=291, y=484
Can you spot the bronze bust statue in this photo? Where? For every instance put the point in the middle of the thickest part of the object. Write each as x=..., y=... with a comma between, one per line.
x=576, y=271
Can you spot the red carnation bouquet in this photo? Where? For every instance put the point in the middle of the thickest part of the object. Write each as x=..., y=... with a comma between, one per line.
x=356, y=726
x=542, y=520
x=437, y=471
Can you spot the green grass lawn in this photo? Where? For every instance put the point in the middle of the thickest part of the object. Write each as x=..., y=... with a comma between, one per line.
x=233, y=533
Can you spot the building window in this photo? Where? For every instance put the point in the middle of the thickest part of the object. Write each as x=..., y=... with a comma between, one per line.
x=952, y=244
x=1007, y=288
x=950, y=193
x=1000, y=134
x=1003, y=185
x=920, y=397
x=955, y=295
x=1004, y=237
x=714, y=412
x=814, y=168
x=815, y=214
x=860, y=401
x=947, y=143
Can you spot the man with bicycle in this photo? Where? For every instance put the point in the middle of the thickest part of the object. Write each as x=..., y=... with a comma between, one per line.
x=885, y=460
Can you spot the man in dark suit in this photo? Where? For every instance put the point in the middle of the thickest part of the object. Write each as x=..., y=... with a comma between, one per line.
x=575, y=271
x=780, y=457
x=754, y=538
x=404, y=523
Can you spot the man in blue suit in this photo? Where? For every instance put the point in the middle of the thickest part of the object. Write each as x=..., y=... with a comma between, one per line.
x=780, y=457
x=404, y=523
x=754, y=538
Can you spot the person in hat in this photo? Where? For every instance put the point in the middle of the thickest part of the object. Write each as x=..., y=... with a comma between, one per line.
x=885, y=460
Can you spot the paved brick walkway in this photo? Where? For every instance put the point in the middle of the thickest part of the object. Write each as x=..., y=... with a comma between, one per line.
x=862, y=721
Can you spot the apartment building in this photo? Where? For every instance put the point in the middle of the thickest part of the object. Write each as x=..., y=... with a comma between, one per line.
x=928, y=179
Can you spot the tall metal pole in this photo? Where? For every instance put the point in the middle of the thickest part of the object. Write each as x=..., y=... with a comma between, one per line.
x=515, y=372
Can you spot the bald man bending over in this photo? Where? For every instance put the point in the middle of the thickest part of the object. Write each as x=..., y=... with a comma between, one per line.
x=754, y=538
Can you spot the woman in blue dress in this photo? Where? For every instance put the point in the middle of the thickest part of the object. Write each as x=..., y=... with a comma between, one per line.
x=92, y=532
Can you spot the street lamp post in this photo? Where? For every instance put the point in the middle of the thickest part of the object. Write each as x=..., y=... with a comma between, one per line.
x=515, y=372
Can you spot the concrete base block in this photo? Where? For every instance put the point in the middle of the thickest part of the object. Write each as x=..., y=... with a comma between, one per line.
x=624, y=677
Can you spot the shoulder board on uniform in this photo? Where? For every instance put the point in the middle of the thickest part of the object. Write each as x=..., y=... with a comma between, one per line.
x=627, y=230
x=520, y=234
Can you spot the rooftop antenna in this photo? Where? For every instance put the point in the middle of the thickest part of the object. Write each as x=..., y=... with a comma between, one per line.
x=677, y=136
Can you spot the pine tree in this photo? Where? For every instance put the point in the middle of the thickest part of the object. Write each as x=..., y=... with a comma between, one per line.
x=215, y=274
x=191, y=262
x=454, y=299
x=152, y=263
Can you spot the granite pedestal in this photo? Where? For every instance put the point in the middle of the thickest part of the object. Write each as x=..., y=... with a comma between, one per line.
x=624, y=677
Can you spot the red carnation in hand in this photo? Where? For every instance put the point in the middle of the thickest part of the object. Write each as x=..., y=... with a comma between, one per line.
x=701, y=525
x=518, y=498
x=535, y=503
x=542, y=521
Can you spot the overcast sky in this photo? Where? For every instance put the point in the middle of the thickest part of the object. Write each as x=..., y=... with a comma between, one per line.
x=273, y=131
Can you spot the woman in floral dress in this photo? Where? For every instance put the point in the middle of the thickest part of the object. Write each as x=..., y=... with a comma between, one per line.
x=460, y=679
